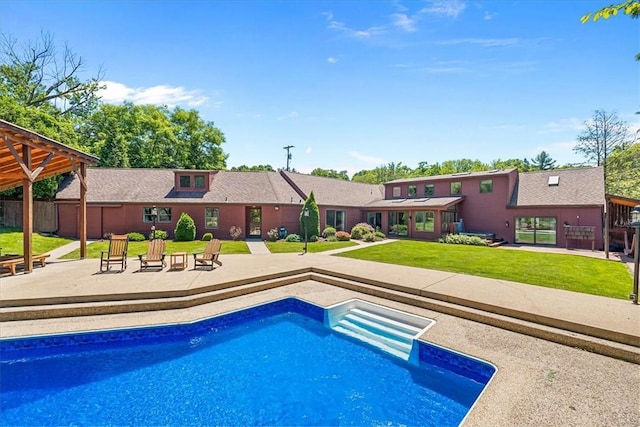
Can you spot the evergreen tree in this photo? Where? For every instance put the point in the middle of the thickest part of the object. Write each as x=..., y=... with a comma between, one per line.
x=310, y=225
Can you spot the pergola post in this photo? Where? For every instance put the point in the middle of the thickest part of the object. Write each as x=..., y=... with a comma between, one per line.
x=83, y=211
x=27, y=212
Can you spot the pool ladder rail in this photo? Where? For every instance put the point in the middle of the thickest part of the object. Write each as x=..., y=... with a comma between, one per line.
x=390, y=330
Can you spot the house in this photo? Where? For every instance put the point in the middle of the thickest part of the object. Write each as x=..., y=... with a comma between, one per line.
x=542, y=207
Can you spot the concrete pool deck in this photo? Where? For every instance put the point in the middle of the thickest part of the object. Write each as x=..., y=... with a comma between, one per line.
x=539, y=381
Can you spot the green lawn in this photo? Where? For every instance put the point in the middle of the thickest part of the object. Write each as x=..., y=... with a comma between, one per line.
x=570, y=272
x=11, y=241
x=135, y=248
x=314, y=247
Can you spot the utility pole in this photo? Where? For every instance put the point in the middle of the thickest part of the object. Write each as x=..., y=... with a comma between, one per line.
x=288, y=147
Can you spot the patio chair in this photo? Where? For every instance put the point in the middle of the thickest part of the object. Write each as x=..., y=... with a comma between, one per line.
x=117, y=253
x=209, y=256
x=154, y=256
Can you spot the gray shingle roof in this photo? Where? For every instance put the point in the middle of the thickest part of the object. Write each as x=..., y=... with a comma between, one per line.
x=106, y=185
x=584, y=186
x=336, y=192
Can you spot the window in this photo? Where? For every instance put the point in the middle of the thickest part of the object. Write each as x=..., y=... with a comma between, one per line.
x=396, y=192
x=164, y=215
x=425, y=221
x=429, y=190
x=198, y=181
x=536, y=230
x=486, y=186
x=398, y=223
x=412, y=191
x=335, y=219
x=185, y=181
x=456, y=187
x=374, y=219
x=211, y=216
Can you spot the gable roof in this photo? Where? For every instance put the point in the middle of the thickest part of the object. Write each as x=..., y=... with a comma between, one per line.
x=335, y=192
x=583, y=186
x=113, y=185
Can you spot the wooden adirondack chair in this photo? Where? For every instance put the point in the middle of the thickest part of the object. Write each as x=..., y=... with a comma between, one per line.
x=117, y=253
x=154, y=256
x=209, y=256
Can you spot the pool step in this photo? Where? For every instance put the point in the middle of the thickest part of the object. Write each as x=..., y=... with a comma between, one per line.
x=388, y=334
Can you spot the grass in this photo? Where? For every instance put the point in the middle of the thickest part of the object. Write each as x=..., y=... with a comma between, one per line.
x=313, y=247
x=11, y=241
x=135, y=248
x=569, y=272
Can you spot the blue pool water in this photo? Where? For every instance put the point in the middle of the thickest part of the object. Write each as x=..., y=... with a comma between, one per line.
x=267, y=366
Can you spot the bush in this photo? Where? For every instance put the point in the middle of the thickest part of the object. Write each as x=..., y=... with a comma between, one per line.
x=292, y=238
x=332, y=239
x=273, y=235
x=343, y=236
x=328, y=232
x=136, y=237
x=185, y=228
x=360, y=230
x=158, y=234
x=461, y=239
x=313, y=238
x=207, y=236
x=369, y=237
x=235, y=232
x=380, y=235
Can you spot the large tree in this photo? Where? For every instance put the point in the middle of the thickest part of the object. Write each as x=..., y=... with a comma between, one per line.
x=624, y=171
x=543, y=161
x=629, y=7
x=245, y=168
x=600, y=136
x=331, y=173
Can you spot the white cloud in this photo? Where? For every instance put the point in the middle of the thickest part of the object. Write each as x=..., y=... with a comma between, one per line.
x=367, y=159
x=308, y=150
x=332, y=60
x=116, y=93
x=291, y=115
x=488, y=16
x=451, y=8
x=563, y=125
x=402, y=21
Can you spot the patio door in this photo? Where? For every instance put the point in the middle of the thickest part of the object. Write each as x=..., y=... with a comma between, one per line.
x=254, y=222
x=398, y=223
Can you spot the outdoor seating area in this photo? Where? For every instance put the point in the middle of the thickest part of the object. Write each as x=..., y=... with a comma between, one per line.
x=13, y=262
x=155, y=255
x=117, y=253
x=209, y=256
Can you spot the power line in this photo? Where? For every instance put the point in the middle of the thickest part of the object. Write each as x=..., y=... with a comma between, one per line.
x=288, y=147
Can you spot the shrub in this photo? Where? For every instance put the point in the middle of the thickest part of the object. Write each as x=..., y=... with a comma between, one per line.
x=313, y=238
x=136, y=237
x=158, y=234
x=343, y=236
x=328, y=232
x=273, y=235
x=292, y=238
x=332, y=239
x=461, y=239
x=185, y=228
x=380, y=235
x=207, y=236
x=235, y=232
x=369, y=237
x=360, y=230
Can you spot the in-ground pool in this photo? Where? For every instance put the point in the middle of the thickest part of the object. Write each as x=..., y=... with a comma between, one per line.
x=273, y=364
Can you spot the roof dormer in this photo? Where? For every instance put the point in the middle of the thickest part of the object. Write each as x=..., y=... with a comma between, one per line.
x=192, y=180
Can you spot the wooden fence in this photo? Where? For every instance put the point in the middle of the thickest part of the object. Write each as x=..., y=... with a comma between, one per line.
x=45, y=215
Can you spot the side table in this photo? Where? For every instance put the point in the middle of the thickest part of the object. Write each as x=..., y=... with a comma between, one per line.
x=178, y=261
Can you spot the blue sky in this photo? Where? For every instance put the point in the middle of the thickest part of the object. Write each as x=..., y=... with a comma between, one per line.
x=358, y=84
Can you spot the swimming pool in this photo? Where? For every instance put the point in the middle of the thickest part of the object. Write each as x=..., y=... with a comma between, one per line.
x=273, y=364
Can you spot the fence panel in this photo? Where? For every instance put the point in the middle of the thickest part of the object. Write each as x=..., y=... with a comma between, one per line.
x=45, y=215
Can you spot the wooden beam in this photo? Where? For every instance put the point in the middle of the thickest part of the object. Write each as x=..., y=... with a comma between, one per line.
x=40, y=168
x=83, y=212
x=25, y=169
x=83, y=181
x=27, y=212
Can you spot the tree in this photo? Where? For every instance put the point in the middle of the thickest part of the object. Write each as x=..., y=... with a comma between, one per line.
x=331, y=173
x=245, y=168
x=522, y=165
x=602, y=134
x=35, y=75
x=185, y=228
x=629, y=7
x=310, y=225
x=624, y=171
x=543, y=162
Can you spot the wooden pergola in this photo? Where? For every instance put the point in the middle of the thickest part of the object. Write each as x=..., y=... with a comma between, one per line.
x=27, y=157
